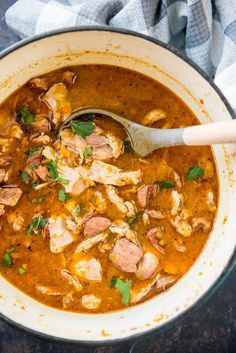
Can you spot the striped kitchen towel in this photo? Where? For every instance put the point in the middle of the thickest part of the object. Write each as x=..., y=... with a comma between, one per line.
x=205, y=30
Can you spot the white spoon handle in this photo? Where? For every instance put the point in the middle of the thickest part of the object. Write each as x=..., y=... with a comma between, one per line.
x=208, y=134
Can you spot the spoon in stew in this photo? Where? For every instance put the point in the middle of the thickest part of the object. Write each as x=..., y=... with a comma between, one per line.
x=145, y=140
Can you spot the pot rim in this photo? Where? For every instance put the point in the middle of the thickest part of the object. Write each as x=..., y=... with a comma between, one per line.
x=232, y=260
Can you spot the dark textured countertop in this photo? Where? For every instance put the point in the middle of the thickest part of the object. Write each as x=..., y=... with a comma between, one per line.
x=211, y=329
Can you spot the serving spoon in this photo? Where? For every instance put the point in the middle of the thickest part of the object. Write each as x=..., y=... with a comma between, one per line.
x=145, y=140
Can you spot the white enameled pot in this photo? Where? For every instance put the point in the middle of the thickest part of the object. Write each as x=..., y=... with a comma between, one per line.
x=76, y=46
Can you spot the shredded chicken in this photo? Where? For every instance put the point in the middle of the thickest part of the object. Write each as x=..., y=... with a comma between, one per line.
x=59, y=236
x=90, y=242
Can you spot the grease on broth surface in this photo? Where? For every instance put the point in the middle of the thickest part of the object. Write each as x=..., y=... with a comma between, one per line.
x=86, y=225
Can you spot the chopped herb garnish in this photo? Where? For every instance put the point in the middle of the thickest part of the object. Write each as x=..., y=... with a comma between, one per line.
x=34, y=165
x=56, y=134
x=32, y=151
x=21, y=271
x=37, y=222
x=87, y=152
x=52, y=167
x=89, y=117
x=26, y=116
x=127, y=146
x=195, y=172
x=82, y=128
x=40, y=199
x=78, y=208
x=24, y=176
x=133, y=220
x=123, y=287
x=6, y=260
x=165, y=184
x=63, y=196
x=34, y=185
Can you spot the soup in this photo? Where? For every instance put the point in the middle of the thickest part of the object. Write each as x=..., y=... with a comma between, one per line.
x=87, y=225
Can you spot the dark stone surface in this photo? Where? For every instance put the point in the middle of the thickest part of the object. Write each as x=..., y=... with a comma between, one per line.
x=211, y=329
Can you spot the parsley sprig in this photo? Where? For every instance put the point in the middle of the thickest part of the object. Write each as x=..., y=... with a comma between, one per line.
x=53, y=172
x=123, y=287
x=6, y=260
x=37, y=222
x=25, y=116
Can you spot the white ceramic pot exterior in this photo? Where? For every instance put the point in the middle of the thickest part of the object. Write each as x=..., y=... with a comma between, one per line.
x=127, y=50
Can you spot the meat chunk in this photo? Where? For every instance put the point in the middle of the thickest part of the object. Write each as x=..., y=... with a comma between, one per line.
x=41, y=124
x=58, y=101
x=163, y=282
x=90, y=242
x=42, y=172
x=5, y=160
x=104, y=173
x=131, y=208
x=69, y=78
x=90, y=301
x=177, y=199
x=210, y=201
x=2, y=175
x=18, y=223
x=125, y=255
x=74, y=143
x=122, y=228
x=153, y=116
x=96, y=225
x=60, y=237
x=200, y=223
x=2, y=210
x=73, y=280
x=40, y=138
x=114, y=197
x=156, y=237
x=77, y=177
x=147, y=266
x=10, y=196
x=49, y=290
x=144, y=193
x=39, y=83
x=105, y=146
x=155, y=214
x=181, y=224
x=15, y=131
x=90, y=270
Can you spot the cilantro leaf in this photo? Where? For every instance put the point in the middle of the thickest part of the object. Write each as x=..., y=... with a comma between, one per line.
x=53, y=172
x=133, y=220
x=195, y=172
x=63, y=196
x=33, y=151
x=123, y=287
x=127, y=146
x=40, y=199
x=78, y=208
x=21, y=271
x=6, y=260
x=87, y=152
x=26, y=116
x=82, y=128
x=24, y=176
x=37, y=222
x=165, y=184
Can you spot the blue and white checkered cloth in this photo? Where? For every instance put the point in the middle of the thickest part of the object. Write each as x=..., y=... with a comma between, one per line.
x=204, y=30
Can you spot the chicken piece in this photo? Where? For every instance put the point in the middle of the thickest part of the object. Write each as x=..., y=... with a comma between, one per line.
x=72, y=225
x=179, y=246
x=16, y=132
x=131, y=208
x=114, y=197
x=122, y=228
x=77, y=177
x=57, y=100
x=200, y=223
x=125, y=255
x=41, y=124
x=5, y=160
x=49, y=290
x=59, y=236
x=18, y=223
x=49, y=153
x=42, y=172
x=95, y=225
x=99, y=202
x=163, y=282
x=153, y=116
x=73, y=280
x=177, y=179
x=104, y=173
x=139, y=294
x=210, y=201
x=74, y=143
x=40, y=138
x=2, y=175
x=39, y=83
x=90, y=242
x=2, y=210
x=68, y=299
x=147, y=266
x=104, y=146
x=181, y=224
x=10, y=196
x=90, y=301
x=177, y=200
x=90, y=270
x=144, y=193
x=156, y=236
x=155, y=214
x=69, y=78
